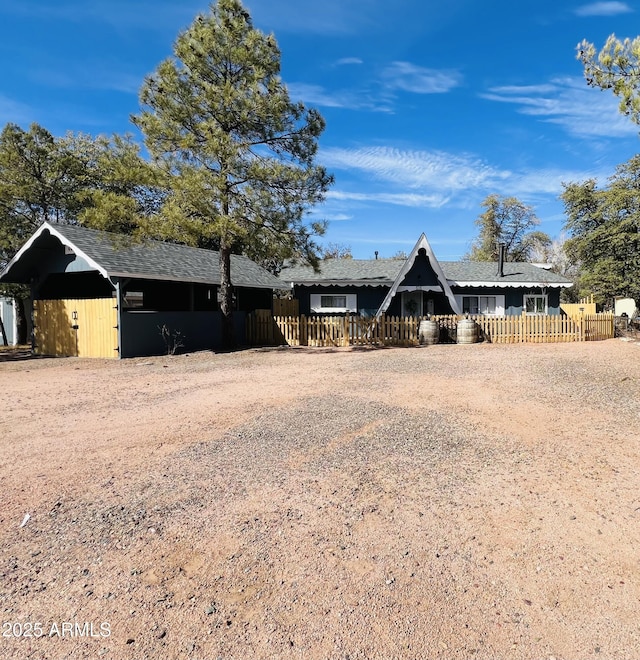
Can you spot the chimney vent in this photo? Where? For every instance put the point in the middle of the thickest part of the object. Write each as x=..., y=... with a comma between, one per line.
x=501, y=254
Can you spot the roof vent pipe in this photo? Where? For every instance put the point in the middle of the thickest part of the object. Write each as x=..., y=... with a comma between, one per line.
x=501, y=254
x=376, y=253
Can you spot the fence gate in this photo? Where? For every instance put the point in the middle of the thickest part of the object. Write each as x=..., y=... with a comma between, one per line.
x=79, y=328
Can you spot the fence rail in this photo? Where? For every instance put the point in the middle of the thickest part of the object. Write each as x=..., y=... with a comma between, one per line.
x=264, y=329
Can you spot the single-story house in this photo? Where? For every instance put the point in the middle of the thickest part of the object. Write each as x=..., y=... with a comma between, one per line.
x=97, y=294
x=421, y=285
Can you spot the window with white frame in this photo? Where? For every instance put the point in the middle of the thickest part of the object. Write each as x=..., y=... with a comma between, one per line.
x=536, y=304
x=333, y=303
x=485, y=305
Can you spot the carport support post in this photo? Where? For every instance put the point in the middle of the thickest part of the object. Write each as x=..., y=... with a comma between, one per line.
x=119, y=316
x=32, y=304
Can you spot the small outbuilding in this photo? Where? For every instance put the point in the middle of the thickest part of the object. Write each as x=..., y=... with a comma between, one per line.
x=97, y=294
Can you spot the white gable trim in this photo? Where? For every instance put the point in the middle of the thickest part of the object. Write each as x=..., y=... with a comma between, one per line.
x=45, y=226
x=406, y=267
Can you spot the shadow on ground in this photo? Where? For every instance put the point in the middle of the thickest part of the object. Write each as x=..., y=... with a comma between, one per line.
x=16, y=354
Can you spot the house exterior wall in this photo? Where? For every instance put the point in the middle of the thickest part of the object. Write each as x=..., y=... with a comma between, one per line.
x=421, y=273
x=140, y=331
x=514, y=297
x=370, y=298
x=434, y=300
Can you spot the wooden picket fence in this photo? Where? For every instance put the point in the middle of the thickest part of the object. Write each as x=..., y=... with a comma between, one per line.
x=264, y=329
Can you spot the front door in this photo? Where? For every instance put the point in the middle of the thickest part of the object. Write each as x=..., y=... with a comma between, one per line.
x=412, y=303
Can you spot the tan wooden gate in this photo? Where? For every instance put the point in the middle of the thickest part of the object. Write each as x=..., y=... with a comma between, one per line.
x=80, y=328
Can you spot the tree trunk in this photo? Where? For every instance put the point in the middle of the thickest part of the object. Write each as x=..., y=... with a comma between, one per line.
x=21, y=321
x=226, y=298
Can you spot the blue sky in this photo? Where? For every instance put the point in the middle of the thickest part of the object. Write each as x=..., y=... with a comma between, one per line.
x=430, y=106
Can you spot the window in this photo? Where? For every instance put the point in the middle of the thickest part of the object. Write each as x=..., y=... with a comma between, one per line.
x=133, y=299
x=535, y=304
x=479, y=304
x=333, y=301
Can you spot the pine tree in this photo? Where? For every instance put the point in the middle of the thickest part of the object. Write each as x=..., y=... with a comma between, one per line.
x=240, y=154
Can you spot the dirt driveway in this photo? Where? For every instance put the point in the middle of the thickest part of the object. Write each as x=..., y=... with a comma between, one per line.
x=473, y=501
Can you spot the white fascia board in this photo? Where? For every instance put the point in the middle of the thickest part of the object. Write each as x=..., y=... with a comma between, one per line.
x=504, y=285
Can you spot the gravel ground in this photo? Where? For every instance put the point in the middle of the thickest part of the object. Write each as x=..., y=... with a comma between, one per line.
x=473, y=501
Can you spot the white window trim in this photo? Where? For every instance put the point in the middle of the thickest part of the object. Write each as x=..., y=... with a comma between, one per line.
x=500, y=301
x=536, y=295
x=315, y=303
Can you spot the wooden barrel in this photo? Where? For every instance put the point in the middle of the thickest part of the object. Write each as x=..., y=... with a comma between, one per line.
x=429, y=332
x=467, y=331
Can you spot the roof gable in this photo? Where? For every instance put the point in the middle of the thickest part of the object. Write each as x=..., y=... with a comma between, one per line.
x=422, y=247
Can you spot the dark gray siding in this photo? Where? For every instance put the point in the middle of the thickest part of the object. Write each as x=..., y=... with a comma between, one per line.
x=421, y=273
x=140, y=331
x=369, y=298
x=513, y=297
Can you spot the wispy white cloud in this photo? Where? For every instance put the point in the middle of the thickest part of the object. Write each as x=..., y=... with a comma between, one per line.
x=437, y=179
x=351, y=99
x=349, y=60
x=434, y=170
x=89, y=76
x=332, y=217
x=397, y=199
x=582, y=111
x=420, y=80
x=603, y=9
x=397, y=76
x=329, y=17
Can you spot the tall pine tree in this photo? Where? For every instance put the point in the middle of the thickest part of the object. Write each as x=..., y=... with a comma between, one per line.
x=240, y=154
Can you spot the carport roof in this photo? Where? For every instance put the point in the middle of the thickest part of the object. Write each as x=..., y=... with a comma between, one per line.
x=118, y=256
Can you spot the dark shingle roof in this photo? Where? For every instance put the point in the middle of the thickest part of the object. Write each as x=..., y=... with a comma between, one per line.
x=515, y=272
x=373, y=272
x=116, y=256
x=382, y=272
